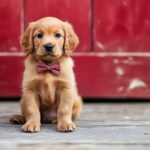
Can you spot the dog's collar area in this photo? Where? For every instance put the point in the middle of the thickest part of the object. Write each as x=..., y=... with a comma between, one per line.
x=53, y=67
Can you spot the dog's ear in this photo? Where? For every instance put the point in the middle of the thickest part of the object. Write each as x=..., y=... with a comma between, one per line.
x=71, y=39
x=26, y=39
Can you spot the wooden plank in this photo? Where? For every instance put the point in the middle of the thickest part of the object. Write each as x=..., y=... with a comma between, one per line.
x=104, y=130
x=98, y=75
x=10, y=16
x=11, y=71
x=75, y=146
x=86, y=132
x=113, y=76
x=125, y=113
x=121, y=25
x=67, y=10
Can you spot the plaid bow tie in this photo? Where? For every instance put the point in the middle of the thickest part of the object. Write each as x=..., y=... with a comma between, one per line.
x=43, y=67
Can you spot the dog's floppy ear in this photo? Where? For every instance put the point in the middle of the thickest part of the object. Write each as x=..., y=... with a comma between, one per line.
x=71, y=39
x=26, y=39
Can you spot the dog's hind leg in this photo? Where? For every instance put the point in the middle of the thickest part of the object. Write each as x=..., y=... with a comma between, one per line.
x=17, y=119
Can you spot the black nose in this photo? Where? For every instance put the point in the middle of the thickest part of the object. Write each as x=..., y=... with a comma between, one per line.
x=49, y=47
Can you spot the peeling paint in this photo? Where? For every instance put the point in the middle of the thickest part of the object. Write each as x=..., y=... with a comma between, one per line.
x=101, y=45
x=131, y=61
x=119, y=71
x=12, y=54
x=113, y=54
x=116, y=61
x=135, y=83
x=121, y=89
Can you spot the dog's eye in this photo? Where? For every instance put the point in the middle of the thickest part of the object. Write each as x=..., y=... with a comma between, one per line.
x=39, y=35
x=58, y=35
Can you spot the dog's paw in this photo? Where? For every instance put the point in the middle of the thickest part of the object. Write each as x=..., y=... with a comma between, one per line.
x=54, y=121
x=66, y=127
x=17, y=119
x=31, y=127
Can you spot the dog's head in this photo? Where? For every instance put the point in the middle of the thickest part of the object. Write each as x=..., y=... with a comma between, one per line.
x=49, y=38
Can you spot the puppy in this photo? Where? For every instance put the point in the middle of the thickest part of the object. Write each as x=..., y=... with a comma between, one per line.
x=49, y=92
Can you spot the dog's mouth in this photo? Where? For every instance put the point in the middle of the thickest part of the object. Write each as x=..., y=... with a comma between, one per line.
x=49, y=56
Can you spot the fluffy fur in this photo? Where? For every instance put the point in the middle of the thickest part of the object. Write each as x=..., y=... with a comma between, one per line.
x=46, y=97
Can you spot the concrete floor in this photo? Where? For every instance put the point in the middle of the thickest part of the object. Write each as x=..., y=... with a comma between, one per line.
x=106, y=126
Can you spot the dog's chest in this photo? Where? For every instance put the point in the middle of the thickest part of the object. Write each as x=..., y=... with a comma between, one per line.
x=49, y=89
x=50, y=98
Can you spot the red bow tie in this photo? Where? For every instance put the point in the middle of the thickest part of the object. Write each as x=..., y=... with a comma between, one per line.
x=43, y=67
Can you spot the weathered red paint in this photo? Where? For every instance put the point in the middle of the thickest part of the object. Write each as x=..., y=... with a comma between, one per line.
x=122, y=25
x=113, y=76
x=119, y=64
x=10, y=25
x=97, y=75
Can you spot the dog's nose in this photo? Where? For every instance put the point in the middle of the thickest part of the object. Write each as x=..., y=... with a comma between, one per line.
x=49, y=47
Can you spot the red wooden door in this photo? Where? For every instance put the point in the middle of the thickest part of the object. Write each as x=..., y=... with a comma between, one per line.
x=10, y=61
x=16, y=15
x=113, y=57
x=122, y=39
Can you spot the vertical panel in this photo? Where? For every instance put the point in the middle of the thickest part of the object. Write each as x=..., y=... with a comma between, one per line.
x=10, y=25
x=122, y=25
x=10, y=29
x=76, y=12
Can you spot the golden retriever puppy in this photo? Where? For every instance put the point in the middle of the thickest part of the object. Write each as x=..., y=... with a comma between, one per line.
x=49, y=92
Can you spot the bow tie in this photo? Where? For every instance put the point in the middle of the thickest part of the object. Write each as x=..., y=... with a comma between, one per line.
x=43, y=67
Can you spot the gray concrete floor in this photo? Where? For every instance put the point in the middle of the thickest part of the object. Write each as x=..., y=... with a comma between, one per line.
x=101, y=126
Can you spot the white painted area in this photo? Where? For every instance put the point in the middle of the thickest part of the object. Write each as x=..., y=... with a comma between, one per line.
x=126, y=117
x=135, y=83
x=91, y=54
x=119, y=71
x=101, y=45
x=114, y=54
x=129, y=60
x=12, y=54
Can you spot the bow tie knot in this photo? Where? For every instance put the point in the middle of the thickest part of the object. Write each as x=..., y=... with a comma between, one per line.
x=43, y=67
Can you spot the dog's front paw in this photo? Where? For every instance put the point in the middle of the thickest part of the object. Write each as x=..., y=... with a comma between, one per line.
x=66, y=127
x=31, y=127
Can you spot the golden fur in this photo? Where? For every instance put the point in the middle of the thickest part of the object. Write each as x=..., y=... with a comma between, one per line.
x=47, y=97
